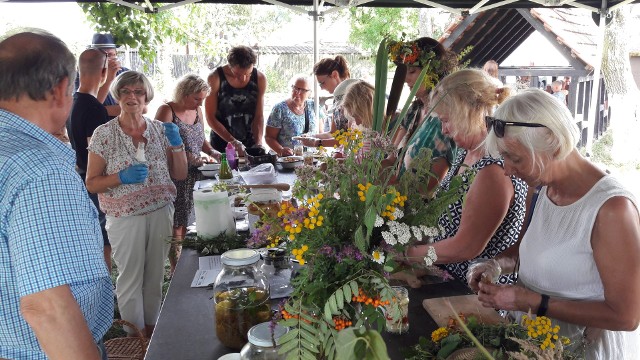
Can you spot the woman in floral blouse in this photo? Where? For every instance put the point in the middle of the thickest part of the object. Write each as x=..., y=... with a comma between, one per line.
x=131, y=162
x=292, y=117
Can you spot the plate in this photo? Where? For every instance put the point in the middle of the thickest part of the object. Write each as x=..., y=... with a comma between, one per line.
x=291, y=162
x=209, y=170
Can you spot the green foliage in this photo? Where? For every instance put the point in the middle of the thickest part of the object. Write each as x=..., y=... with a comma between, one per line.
x=215, y=245
x=358, y=344
x=380, y=86
x=370, y=25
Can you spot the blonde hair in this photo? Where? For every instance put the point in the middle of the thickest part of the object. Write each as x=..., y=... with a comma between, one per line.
x=358, y=102
x=467, y=96
x=189, y=84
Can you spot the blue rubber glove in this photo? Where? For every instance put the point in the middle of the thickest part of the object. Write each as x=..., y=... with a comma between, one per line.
x=134, y=174
x=172, y=133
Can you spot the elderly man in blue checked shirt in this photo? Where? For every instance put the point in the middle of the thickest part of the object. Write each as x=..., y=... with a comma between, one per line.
x=56, y=295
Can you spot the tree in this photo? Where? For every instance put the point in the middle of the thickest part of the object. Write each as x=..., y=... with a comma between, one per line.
x=370, y=25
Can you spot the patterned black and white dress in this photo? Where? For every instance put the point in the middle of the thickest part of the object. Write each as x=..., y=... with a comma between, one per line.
x=507, y=233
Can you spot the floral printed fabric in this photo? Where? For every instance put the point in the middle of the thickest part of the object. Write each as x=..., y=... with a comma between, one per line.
x=117, y=150
x=289, y=123
x=429, y=135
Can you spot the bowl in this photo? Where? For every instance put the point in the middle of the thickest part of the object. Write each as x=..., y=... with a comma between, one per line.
x=291, y=162
x=209, y=170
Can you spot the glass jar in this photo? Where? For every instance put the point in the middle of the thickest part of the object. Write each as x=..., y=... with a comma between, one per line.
x=277, y=268
x=260, y=345
x=241, y=296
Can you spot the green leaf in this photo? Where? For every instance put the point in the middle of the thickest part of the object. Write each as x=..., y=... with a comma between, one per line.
x=370, y=220
x=449, y=345
x=311, y=337
x=292, y=322
x=292, y=334
x=308, y=327
x=348, y=293
x=308, y=355
x=328, y=316
x=333, y=305
x=286, y=347
x=354, y=288
x=382, y=66
x=359, y=240
x=340, y=298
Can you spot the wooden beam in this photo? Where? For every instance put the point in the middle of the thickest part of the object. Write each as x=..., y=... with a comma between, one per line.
x=541, y=71
x=563, y=49
x=459, y=30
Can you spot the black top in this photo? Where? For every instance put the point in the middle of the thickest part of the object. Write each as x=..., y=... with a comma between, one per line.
x=87, y=113
x=236, y=110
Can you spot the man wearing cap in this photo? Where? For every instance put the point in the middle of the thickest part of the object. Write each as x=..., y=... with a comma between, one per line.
x=87, y=113
x=56, y=295
x=106, y=43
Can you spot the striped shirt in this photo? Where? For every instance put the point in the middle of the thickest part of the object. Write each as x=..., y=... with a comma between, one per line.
x=49, y=235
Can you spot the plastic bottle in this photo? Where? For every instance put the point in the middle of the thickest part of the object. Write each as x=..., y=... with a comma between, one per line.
x=225, y=169
x=230, y=151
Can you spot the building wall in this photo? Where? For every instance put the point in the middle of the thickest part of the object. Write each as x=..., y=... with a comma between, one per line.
x=635, y=69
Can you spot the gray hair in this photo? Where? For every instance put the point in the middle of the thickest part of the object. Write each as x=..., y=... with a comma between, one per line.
x=32, y=63
x=189, y=84
x=131, y=78
x=556, y=140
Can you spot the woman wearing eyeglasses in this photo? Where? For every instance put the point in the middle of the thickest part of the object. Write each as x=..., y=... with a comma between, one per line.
x=132, y=160
x=487, y=217
x=291, y=117
x=578, y=260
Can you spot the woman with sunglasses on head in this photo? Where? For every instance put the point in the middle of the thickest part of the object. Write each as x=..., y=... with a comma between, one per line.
x=487, y=217
x=578, y=260
x=291, y=117
x=131, y=162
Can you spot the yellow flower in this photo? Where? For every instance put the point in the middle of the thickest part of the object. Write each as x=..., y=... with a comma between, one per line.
x=301, y=261
x=305, y=248
x=439, y=334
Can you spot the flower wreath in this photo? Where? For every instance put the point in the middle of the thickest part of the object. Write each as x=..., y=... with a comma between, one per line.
x=410, y=54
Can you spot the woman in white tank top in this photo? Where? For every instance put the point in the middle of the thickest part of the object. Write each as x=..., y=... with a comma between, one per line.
x=579, y=259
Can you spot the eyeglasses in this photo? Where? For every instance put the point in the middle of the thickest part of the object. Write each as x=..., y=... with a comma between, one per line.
x=299, y=90
x=127, y=92
x=321, y=83
x=500, y=125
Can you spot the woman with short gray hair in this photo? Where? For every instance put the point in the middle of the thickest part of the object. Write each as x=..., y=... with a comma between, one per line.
x=578, y=260
x=131, y=162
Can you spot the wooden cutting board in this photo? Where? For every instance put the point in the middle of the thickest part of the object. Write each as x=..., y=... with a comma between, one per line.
x=468, y=305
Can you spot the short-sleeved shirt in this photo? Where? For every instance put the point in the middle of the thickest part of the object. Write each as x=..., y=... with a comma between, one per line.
x=49, y=235
x=116, y=148
x=291, y=124
x=236, y=110
x=87, y=113
x=429, y=135
x=109, y=100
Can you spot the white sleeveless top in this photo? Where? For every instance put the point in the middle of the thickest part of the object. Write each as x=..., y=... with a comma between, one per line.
x=556, y=258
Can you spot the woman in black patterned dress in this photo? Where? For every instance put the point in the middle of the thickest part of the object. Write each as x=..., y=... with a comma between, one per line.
x=185, y=111
x=488, y=216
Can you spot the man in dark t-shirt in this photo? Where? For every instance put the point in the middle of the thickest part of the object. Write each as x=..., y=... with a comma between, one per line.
x=87, y=113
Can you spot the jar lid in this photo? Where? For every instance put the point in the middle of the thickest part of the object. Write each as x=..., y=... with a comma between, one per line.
x=260, y=335
x=239, y=257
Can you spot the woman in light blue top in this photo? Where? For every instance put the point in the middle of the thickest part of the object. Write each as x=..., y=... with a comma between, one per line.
x=292, y=117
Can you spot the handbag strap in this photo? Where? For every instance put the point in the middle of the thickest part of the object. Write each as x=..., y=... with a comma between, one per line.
x=306, y=118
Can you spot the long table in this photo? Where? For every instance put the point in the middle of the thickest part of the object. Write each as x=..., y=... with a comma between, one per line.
x=186, y=329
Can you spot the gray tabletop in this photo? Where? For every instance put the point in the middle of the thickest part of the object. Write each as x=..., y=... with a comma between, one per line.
x=186, y=330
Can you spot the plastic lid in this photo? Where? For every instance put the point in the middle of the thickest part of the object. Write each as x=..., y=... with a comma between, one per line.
x=239, y=257
x=260, y=335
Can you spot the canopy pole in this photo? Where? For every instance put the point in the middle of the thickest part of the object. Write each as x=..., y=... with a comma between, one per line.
x=316, y=97
x=594, y=104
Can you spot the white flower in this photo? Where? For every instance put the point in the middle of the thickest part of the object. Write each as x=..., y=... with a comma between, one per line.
x=431, y=256
x=398, y=214
x=389, y=238
x=417, y=232
x=378, y=256
x=404, y=237
x=379, y=221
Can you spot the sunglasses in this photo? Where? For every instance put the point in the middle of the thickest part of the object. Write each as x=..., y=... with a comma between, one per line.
x=500, y=125
x=299, y=90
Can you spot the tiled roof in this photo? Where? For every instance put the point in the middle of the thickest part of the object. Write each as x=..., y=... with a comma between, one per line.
x=326, y=48
x=572, y=27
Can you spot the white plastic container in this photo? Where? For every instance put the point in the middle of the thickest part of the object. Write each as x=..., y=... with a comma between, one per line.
x=213, y=213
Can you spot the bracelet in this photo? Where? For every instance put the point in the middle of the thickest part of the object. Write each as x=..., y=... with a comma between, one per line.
x=431, y=257
x=544, y=306
x=177, y=149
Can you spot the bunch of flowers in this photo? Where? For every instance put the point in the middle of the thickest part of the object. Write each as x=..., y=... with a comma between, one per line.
x=347, y=231
x=410, y=53
x=534, y=338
